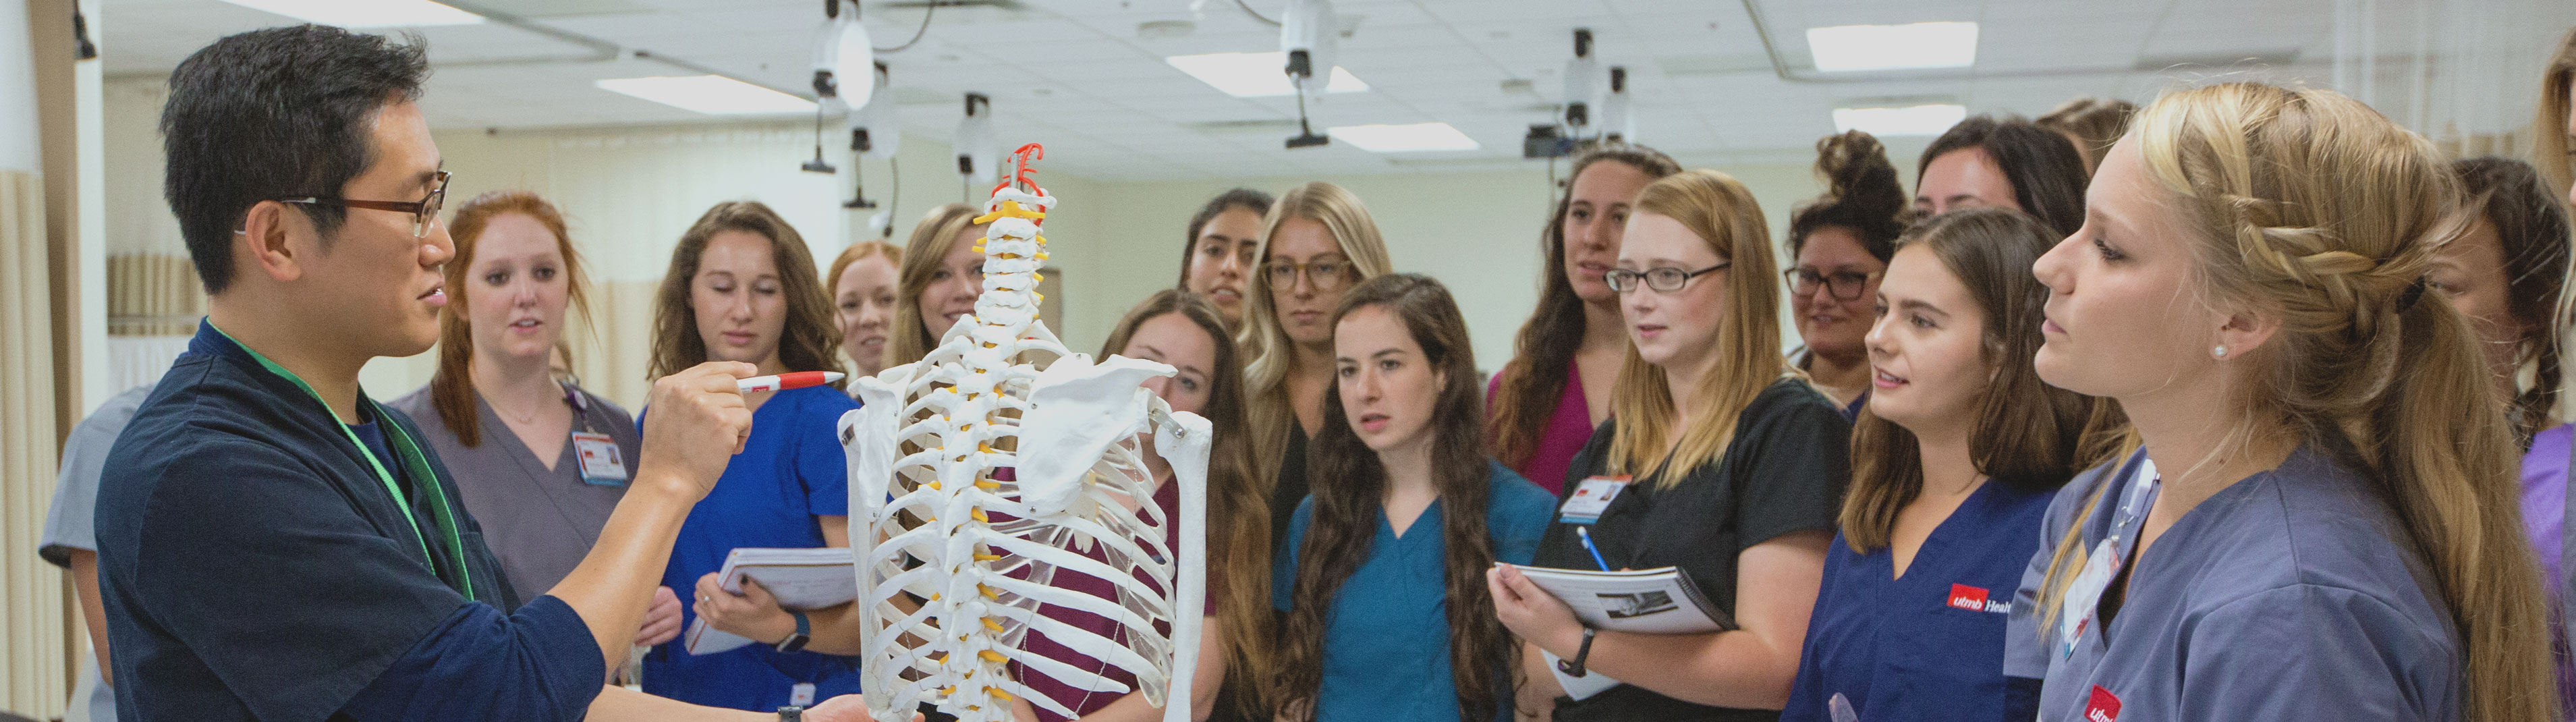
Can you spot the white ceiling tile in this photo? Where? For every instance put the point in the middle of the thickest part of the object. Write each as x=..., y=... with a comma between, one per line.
x=1076, y=74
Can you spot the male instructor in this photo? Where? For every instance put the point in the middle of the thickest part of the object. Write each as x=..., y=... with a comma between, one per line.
x=277, y=546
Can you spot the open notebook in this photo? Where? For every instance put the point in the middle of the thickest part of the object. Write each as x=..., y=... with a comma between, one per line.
x=800, y=578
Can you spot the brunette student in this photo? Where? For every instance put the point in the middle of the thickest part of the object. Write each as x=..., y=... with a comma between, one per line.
x=1718, y=459
x=741, y=287
x=1838, y=247
x=2319, y=521
x=1223, y=252
x=1182, y=329
x=1544, y=403
x=2009, y=163
x=1952, y=465
x=1388, y=617
x=2504, y=275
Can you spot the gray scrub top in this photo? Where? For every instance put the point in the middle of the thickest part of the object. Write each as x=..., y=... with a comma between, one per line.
x=69, y=526
x=2293, y=594
x=538, y=522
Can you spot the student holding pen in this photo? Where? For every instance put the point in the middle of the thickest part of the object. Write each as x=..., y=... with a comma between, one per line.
x=1719, y=459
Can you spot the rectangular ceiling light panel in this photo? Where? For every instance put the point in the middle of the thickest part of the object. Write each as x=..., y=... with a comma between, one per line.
x=709, y=94
x=365, y=13
x=1255, y=75
x=1913, y=46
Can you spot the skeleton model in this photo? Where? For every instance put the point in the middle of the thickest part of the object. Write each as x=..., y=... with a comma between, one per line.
x=997, y=460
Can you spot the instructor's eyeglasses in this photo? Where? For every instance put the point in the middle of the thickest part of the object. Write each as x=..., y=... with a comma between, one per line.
x=1661, y=278
x=424, y=212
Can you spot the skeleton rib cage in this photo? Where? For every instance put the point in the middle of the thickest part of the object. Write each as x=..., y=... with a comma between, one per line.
x=997, y=460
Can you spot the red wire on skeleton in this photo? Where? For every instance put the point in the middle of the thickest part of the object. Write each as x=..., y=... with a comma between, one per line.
x=1020, y=177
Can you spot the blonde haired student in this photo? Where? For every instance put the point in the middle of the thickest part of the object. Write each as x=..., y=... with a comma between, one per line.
x=1719, y=458
x=2318, y=522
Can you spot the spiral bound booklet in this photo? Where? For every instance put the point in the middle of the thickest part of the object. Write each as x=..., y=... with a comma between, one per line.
x=1644, y=601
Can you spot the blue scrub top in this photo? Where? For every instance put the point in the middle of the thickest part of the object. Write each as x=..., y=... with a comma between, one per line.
x=1928, y=645
x=791, y=470
x=2295, y=593
x=1386, y=640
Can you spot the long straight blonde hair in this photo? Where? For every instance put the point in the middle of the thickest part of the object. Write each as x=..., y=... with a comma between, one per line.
x=910, y=338
x=1721, y=212
x=2549, y=148
x=1265, y=342
x=2312, y=206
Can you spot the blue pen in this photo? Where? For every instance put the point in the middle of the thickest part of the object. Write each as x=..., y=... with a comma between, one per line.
x=1585, y=533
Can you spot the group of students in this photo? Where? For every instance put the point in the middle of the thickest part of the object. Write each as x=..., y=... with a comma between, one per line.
x=2200, y=326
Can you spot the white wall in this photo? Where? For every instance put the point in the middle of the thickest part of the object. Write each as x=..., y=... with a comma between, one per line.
x=629, y=192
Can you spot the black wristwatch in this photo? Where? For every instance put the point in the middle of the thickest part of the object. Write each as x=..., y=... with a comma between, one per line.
x=791, y=714
x=796, y=642
x=1574, y=667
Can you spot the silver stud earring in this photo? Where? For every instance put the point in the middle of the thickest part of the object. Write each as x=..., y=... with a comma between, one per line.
x=2219, y=353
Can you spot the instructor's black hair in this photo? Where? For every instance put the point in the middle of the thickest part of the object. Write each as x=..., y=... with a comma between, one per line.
x=275, y=112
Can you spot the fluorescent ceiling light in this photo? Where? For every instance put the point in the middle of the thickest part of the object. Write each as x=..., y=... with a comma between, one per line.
x=365, y=13
x=1255, y=75
x=1909, y=120
x=1893, y=47
x=709, y=94
x=1404, y=138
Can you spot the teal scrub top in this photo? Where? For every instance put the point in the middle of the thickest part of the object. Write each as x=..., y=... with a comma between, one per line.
x=1386, y=639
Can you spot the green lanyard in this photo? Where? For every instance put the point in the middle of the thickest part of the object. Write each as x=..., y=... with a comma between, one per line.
x=405, y=451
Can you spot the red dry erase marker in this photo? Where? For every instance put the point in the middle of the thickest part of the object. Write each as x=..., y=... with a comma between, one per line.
x=782, y=382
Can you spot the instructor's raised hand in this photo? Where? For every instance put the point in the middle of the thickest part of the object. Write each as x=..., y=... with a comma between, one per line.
x=695, y=423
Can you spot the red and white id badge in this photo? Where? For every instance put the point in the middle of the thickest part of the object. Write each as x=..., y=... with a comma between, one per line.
x=601, y=463
x=1592, y=496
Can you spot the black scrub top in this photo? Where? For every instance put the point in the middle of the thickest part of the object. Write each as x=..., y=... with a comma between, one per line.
x=254, y=566
x=1784, y=472
x=1287, y=491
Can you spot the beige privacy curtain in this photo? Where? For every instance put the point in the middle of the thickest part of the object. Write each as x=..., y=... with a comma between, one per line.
x=31, y=591
x=33, y=629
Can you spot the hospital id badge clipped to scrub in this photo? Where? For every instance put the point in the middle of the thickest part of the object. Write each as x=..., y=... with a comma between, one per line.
x=2084, y=592
x=601, y=465
x=1590, y=498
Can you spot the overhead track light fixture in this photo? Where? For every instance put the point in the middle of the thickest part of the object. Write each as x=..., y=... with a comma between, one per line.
x=1580, y=74
x=1307, y=35
x=1618, y=121
x=977, y=157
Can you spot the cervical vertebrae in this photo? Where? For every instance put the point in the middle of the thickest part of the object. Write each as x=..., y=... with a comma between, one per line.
x=997, y=460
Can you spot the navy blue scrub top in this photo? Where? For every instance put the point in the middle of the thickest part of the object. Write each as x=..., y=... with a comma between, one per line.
x=2295, y=593
x=254, y=567
x=1386, y=639
x=1928, y=645
x=791, y=470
